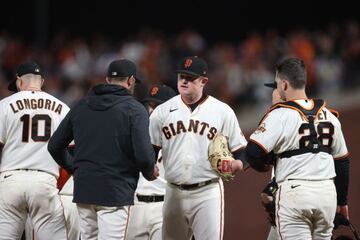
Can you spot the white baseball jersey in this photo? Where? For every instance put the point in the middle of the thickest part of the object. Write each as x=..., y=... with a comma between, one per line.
x=27, y=120
x=184, y=136
x=279, y=132
x=156, y=187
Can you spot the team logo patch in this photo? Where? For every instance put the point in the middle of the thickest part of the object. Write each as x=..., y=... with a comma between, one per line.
x=260, y=129
x=154, y=91
x=188, y=63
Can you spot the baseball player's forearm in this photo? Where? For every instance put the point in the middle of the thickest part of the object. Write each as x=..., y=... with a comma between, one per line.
x=342, y=180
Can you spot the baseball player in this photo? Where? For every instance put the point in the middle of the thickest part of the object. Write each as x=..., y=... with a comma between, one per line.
x=145, y=221
x=28, y=173
x=311, y=154
x=183, y=128
x=66, y=184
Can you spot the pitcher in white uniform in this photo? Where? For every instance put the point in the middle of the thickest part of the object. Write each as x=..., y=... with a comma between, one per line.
x=66, y=185
x=183, y=128
x=311, y=155
x=145, y=221
x=28, y=173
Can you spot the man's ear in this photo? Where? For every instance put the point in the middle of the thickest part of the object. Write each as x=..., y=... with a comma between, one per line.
x=285, y=85
x=18, y=83
x=107, y=80
x=42, y=81
x=130, y=80
x=204, y=81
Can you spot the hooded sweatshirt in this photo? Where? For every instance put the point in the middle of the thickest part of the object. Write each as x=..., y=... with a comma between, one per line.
x=112, y=144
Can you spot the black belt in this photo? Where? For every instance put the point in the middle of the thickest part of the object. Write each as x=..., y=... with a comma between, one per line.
x=195, y=185
x=154, y=198
x=27, y=169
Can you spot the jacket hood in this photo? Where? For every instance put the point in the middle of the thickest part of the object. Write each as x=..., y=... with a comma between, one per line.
x=104, y=96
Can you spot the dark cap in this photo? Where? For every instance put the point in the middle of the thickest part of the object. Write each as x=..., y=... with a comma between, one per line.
x=122, y=68
x=194, y=66
x=271, y=85
x=22, y=69
x=160, y=94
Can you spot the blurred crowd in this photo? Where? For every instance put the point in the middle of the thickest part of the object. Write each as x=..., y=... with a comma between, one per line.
x=238, y=69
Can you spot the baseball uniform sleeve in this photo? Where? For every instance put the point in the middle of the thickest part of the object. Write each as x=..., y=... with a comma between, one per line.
x=155, y=128
x=59, y=142
x=268, y=132
x=2, y=124
x=233, y=131
x=339, y=148
x=143, y=150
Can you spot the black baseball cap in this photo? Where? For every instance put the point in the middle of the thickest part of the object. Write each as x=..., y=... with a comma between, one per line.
x=271, y=85
x=122, y=68
x=194, y=66
x=22, y=69
x=160, y=94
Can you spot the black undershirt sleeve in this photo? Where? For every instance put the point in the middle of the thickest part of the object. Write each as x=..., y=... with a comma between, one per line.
x=342, y=180
x=257, y=158
x=157, y=150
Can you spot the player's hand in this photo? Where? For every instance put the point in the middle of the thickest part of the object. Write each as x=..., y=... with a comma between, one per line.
x=155, y=173
x=343, y=210
x=236, y=166
x=276, y=98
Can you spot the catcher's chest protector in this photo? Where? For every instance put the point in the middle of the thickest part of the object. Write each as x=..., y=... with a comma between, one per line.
x=313, y=144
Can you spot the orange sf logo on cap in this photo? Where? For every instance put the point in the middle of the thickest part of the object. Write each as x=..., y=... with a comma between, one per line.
x=188, y=63
x=154, y=91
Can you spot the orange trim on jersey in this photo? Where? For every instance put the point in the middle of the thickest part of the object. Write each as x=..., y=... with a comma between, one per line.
x=203, y=100
x=320, y=109
x=221, y=213
x=156, y=146
x=277, y=214
x=334, y=112
x=260, y=145
x=276, y=106
x=127, y=222
x=309, y=108
x=293, y=108
x=342, y=157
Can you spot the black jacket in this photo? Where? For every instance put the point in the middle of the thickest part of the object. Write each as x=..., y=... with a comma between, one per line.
x=112, y=144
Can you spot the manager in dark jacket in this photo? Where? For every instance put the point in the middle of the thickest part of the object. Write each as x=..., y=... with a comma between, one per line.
x=112, y=143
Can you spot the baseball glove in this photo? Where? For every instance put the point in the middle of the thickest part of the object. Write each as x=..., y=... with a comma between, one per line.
x=268, y=200
x=220, y=157
x=340, y=220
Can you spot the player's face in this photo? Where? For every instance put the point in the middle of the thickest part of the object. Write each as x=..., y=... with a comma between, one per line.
x=190, y=86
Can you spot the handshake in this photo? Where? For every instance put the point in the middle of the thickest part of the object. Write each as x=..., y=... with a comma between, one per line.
x=221, y=158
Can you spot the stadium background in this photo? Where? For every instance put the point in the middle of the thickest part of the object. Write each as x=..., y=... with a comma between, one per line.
x=75, y=40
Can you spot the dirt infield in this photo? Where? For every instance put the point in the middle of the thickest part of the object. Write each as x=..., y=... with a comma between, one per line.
x=244, y=216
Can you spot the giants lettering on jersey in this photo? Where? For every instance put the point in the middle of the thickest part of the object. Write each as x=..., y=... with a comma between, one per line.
x=194, y=126
x=36, y=104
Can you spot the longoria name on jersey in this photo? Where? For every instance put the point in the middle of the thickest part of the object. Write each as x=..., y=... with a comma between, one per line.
x=194, y=126
x=39, y=103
